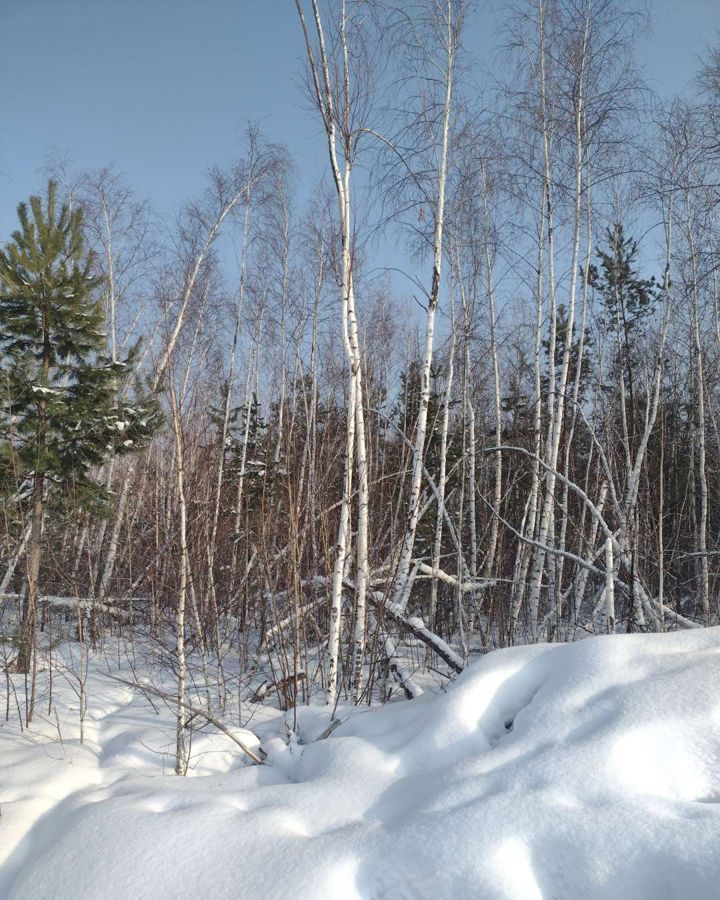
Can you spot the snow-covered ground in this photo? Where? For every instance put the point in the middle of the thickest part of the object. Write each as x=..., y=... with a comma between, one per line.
x=578, y=771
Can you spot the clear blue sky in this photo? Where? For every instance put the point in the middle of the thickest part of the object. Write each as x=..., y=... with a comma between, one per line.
x=160, y=88
x=163, y=88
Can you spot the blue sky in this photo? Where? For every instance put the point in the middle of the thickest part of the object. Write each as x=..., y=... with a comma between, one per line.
x=163, y=88
x=160, y=88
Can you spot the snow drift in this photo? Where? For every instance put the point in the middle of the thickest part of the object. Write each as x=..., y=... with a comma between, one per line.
x=586, y=770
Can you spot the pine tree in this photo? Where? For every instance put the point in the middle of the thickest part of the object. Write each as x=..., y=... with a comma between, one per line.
x=628, y=299
x=62, y=415
x=628, y=302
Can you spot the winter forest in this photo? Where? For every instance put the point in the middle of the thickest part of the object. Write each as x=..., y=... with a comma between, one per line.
x=386, y=513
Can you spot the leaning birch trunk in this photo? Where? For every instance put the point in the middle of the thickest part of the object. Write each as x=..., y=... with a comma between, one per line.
x=700, y=437
x=14, y=559
x=469, y=453
x=187, y=292
x=442, y=481
x=549, y=219
x=655, y=612
x=220, y=476
x=580, y=582
x=629, y=503
x=282, y=362
x=575, y=404
x=191, y=281
x=497, y=403
x=99, y=537
x=109, y=566
x=406, y=553
x=180, y=753
x=558, y=407
x=241, y=477
x=661, y=486
x=310, y=458
x=523, y=554
x=471, y=488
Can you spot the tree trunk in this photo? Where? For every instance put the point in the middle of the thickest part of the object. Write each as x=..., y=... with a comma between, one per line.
x=27, y=636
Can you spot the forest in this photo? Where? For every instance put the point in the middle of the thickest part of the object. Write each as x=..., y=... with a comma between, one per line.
x=280, y=461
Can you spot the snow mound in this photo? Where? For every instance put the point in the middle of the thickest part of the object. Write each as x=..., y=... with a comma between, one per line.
x=586, y=770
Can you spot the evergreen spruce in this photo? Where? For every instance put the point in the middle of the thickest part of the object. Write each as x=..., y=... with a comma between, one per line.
x=62, y=416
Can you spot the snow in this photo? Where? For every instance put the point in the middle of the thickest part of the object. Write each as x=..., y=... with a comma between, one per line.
x=585, y=770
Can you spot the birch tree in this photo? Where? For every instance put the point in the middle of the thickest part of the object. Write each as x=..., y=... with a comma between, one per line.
x=441, y=31
x=338, y=86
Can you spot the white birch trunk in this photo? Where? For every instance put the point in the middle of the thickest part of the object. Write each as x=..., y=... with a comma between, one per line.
x=406, y=553
x=557, y=406
x=338, y=132
x=442, y=481
x=609, y=587
x=14, y=559
x=497, y=402
x=180, y=753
